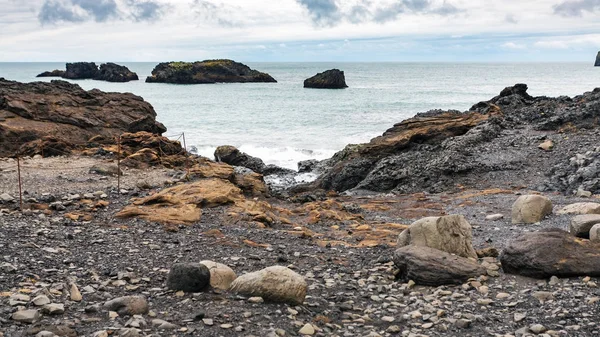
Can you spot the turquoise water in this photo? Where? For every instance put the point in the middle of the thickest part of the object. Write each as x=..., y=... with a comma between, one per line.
x=283, y=123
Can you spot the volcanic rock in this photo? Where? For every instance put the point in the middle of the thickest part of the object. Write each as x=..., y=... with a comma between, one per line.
x=66, y=113
x=551, y=252
x=53, y=73
x=189, y=277
x=81, y=71
x=112, y=72
x=432, y=267
x=451, y=234
x=275, y=284
x=330, y=79
x=205, y=72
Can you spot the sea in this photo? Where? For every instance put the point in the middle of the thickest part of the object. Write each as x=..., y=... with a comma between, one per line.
x=284, y=123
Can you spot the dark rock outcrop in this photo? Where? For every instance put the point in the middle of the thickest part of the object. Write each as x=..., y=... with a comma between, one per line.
x=597, y=64
x=551, y=252
x=109, y=72
x=432, y=267
x=232, y=156
x=206, y=72
x=112, y=72
x=81, y=71
x=494, y=141
x=50, y=114
x=330, y=79
x=53, y=73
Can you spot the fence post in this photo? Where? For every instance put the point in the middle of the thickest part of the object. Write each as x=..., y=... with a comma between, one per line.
x=20, y=187
x=187, y=166
x=119, y=164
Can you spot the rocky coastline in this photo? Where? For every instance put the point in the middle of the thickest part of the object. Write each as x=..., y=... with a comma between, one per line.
x=492, y=226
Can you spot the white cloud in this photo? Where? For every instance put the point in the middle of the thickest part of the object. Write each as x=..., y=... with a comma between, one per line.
x=514, y=46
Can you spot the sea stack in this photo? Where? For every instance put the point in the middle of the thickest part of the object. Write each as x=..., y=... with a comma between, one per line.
x=206, y=72
x=109, y=72
x=597, y=60
x=330, y=79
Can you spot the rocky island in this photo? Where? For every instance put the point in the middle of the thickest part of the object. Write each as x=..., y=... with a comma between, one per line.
x=597, y=64
x=109, y=72
x=492, y=229
x=206, y=72
x=330, y=79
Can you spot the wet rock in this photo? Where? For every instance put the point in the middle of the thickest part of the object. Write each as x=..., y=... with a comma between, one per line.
x=274, y=284
x=530, y=209
x=221, y=276
x=451, y=234
x=330, y=79
x=307, y=165
x=26, y=316
x=581, y=208
x=206, y=72
x=432, y=267
x=128, y=305
x=551, y=252
x=189, y=277
x=582, y=224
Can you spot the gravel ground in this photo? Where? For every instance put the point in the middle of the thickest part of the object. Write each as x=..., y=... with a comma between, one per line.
x=352, y=291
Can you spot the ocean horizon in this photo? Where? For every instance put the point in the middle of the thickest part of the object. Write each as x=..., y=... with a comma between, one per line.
x=283, y=123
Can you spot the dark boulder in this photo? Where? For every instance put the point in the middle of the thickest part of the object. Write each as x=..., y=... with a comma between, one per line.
x=189, y=277
x=232, y=156
x=53, y=73
x=597, y=64
x=112, y=72
x=432, y=267
x=551, y=252
x=81, y=71
x=306, y=166
x=206, y=72
x=330, y=79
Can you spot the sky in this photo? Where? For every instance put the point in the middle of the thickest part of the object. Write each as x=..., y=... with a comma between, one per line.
x=300, y=30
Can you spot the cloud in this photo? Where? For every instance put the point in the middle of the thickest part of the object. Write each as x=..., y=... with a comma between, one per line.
x=219, y=14
x=513, y=46
x=55, y=11
x=511, y=18
x=322, y=12
x=571, y=8
x=146, y=10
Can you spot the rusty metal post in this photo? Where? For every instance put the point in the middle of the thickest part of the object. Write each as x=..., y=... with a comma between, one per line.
x=119, y=164
x=187, y=163
x=20, y=186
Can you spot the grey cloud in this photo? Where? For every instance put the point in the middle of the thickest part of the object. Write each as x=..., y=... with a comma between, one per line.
x=322, y=12
x=576, y=7
x=510, y=18
x=219, y=14
x=146, y=10
x=54, y=11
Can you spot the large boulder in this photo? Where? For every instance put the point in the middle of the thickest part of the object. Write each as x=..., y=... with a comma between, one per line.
x=275, y=284
x=81, y=71
x=53, y=73
x=221, y=276
x=205, y=72
x=580, y=225
x=581, y=208
x=551, y=252
x=188, y=277
x=112, y=72
x=432, y=267
x=451, y=234
x=530, y=209
x=330, y=79
x=68, y=114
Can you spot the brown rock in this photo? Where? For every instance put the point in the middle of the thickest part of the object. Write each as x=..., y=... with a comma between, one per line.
x=432, y=267
x=531, y=209
x=551, y=252
x=275, y=284
x=581, y=208
x=547, y=145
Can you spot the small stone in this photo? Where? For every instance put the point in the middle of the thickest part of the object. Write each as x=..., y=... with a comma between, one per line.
x=256, y=300
x=494, y=217
x=5, y=197
x=463, y=323
x=537, y=328
x=393, y=329
x=53, y=309
x=554, y=281
x=501, y=296
x=45, y=334
x=543, y=296
x=388, y=319
x=208, y=321
x=519, y=317
x=548, y=145
x=226, y=326
x=101, y=333
x=307, y=329
x=26, y=316
x=128, y=305
x=74, y=293
x=41, y=300
x=164, y=325
x=113, y=315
